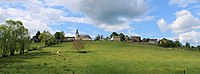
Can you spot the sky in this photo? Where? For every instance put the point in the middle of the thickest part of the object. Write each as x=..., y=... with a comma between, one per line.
x=172, y=19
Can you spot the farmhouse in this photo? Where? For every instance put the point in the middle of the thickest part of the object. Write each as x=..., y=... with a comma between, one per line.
x=82, y=37
x=162, y=41
x=135, y=38
x=34, y=39
x=68, y=39
x=153, y=41
x=116, y=38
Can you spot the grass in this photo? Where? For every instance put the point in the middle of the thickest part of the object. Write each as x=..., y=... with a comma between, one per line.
x=103, y=58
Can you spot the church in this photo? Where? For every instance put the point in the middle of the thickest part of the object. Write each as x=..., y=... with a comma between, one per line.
x=82, y=37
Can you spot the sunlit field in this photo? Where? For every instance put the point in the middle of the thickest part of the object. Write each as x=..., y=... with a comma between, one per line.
x=103, y=58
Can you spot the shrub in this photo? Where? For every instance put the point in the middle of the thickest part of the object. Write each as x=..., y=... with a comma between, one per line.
x=78, y=45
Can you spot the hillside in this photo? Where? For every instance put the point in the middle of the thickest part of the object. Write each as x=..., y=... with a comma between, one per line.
x=103, y=58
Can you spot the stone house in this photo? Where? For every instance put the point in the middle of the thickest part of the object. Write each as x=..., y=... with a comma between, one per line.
x=115, y=38
x=153, y=41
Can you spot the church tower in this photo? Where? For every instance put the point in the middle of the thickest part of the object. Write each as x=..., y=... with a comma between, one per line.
x=77, y=34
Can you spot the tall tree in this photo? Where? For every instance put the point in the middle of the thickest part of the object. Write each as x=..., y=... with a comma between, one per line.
x=59, y=37
x=187, y=45
x=13, y=29
x=122, y=36
x=178, y=44
x=37, y=35
x=4, y=40
x=23, y=37
x=12, y=35
x=62, y=36
x=47, y=39
x=198, y=47
x=113, y=34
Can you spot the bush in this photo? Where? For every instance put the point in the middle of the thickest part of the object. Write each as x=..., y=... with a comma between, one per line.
x=78, y=45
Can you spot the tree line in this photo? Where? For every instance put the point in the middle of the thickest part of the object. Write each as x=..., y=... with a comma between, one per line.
x=14, y=37
x=176, y=44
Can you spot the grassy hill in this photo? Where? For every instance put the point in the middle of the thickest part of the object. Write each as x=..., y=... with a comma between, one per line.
x=103, y=58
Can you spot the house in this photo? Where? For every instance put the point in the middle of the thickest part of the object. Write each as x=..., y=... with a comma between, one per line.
x=135, y=38
x=68, y=39
x=116, y=38
x=82, y=37
x=153, y=41
x=34, y=39
x=162, y=41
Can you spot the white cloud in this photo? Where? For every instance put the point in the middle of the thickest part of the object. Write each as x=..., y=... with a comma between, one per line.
x=192, y=37
x=112, y=28
x=35, y=15
x=106, y=14
x=144, y=18
x=185, y=26
x=182, y=3
x=185, y=22
x=162, y=24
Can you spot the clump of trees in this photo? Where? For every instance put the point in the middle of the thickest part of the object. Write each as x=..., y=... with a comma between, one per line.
x=122, y=36
x=47, y=39
x=169, y=43
x=13, y=37
x=176, y=44
x=98, y=37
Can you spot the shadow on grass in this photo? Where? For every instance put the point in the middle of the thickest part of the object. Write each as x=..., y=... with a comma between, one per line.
x=82, y=51
x=56, y=46
x=21, y=58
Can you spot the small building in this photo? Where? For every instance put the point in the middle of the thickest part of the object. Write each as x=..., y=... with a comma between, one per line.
x=162, y=41
x=68, y=39
x=82, y=37
x=34, y=39
x=135, y=38
x=153, y=41
x=116, y=38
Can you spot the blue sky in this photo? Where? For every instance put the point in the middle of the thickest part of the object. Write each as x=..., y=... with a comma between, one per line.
x=173, y=19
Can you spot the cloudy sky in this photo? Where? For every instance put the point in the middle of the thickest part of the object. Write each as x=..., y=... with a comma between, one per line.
x=173, y=19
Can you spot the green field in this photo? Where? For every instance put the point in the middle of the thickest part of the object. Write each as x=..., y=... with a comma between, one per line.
x=103, y=58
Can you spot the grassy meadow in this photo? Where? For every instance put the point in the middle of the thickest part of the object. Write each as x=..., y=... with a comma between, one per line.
x=103, y=58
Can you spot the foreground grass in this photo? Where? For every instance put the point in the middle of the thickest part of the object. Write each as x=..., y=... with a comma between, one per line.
x=103, y=58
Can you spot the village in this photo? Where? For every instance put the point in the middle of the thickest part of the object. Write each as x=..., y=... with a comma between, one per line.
x=131, y=39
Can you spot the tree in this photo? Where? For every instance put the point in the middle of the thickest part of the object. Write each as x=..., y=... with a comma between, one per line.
x=59, y=37
x=113, y=34
x=178, y=44
x=23, y=37
x=107, y=38
x=187, y=45
x=78, y=45
x=122, y=36
x=4, y=40
x=37, y=35
x=198, y=47
x=14, y=36
x=62, y=36
x=47, y=39
x=98, y=37
x=13, y=28
x=147, y=40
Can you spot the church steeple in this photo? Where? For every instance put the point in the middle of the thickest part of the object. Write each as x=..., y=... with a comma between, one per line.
x=77, y=31
x=77, y=34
